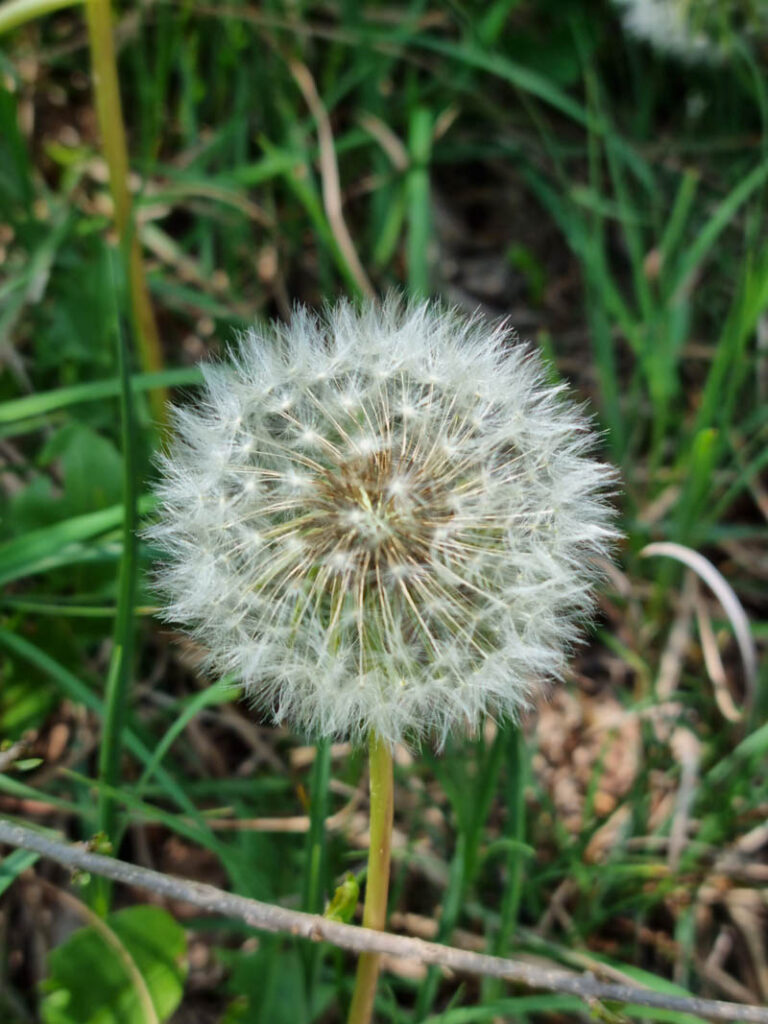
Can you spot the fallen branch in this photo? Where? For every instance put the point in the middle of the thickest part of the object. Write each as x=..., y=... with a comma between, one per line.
x=268, y=917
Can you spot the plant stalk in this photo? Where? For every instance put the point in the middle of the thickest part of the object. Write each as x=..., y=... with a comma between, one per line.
x=377, y=879
x=112, y=128
x=121, y=665
x=314, y=873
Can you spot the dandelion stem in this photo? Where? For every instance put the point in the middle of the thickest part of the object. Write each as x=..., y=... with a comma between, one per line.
x=112, y=127
x=377, y=880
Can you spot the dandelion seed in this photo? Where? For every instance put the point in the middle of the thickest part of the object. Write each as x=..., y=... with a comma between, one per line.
x=383, y=521
x=695, y=30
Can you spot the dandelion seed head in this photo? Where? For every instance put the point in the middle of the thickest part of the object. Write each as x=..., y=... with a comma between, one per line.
x=695, y=30
x=383, y=518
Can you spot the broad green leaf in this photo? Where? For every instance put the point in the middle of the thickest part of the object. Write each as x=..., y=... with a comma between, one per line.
x=91, y=467
x=106, y=975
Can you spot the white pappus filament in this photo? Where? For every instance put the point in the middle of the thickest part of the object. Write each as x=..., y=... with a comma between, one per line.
x=382, y=518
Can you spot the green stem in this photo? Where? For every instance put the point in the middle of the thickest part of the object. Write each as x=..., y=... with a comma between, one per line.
x=119, y=677
x=110, y=117
x=377, y=879
x=515, y=829
x=314, y=870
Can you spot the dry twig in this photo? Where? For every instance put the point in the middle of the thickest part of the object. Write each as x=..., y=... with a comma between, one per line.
x=726, y=595
x=268, y=917
x=329, y=176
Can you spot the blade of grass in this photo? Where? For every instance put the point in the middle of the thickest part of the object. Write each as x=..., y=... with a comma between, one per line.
x=219, y=693
x=701, y=463
x=519, y=1008
x=628, y=217
x=19, y=409
x=726, y=210
x=297, y=174
x=46, y=548
x=508, y=1009
x=755, y=746
x=23, y=791
x=30, y=286
x=451, y=908
x=275, y=164
x=590, y=251
x=486, y=785
x=748, y=473
x=121, y=663
x=418, y=202
x=508, y=70
x=80, y=693
x=678, y=218
x=192, y=827
x=516, y=758
x=13, y=865
x=313, y=879
x=145, y=811
x=312, y=900
x=16, y=12
x=62, y=608
x=729, y=367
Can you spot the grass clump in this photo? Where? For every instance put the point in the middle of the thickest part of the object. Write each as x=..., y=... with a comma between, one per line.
x=525, y=159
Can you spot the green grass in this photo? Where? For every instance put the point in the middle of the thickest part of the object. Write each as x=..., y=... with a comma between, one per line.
x=632, y=233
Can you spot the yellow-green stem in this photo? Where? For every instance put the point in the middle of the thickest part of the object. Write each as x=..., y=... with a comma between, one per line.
x=377, y=879
x=110, y=116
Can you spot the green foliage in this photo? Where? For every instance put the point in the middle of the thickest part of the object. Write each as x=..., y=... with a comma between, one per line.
x=622, y=197
x=13, y=865
x=91, y=469
x=344, y=900
x=268, y=985
x=136, y=953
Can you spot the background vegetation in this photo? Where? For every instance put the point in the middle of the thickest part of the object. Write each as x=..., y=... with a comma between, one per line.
x=520, y=156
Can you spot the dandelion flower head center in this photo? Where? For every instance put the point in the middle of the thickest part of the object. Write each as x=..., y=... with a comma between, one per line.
x=379, y=508
x=368, y=503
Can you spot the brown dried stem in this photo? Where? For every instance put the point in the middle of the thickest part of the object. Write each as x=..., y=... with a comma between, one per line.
x=268, y=917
